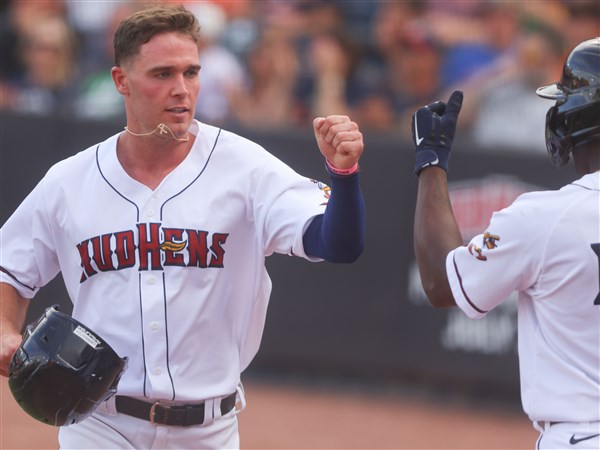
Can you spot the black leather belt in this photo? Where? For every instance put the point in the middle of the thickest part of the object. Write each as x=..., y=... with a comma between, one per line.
x=165, y=413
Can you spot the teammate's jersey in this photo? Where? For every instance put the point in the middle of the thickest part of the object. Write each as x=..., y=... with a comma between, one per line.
x=173, y=278
x=546, y=246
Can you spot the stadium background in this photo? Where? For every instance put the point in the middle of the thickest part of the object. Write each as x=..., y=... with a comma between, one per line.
x=364, y=363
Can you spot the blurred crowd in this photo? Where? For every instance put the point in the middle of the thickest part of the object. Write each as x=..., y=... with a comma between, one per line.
x=278, y=63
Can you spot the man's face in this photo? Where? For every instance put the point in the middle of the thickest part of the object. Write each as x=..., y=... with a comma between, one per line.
x=161, y=84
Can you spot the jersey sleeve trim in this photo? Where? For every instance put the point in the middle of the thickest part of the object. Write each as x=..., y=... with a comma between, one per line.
x=3, y=270
x=458, y=290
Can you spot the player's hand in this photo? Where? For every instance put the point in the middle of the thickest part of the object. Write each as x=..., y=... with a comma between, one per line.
x=339, y=140
x=10, y=344
x=433, y=129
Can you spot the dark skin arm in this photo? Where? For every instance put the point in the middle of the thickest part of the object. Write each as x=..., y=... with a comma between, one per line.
x=436, y=233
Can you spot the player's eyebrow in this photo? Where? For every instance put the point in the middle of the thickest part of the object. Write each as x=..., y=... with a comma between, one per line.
x=159, y=69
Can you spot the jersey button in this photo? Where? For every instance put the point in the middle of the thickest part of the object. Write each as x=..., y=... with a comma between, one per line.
x=151, y=280
x=150, y=213
x=157, y=371
x=154, y=326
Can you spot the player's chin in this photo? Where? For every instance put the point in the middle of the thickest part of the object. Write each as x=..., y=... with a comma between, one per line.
x=180, y=123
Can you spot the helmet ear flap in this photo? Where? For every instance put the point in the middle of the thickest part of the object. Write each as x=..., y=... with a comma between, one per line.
x=558, y=143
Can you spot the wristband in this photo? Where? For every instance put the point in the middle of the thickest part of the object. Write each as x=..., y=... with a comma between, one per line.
x=350, y=171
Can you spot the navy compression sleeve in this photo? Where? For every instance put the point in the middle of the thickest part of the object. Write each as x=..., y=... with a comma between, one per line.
x=338, y=235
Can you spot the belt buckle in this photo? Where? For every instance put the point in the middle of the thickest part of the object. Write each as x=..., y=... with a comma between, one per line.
x=165, y=406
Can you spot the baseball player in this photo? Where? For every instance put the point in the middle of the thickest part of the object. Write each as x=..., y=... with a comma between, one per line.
x=546, y=246
x=161, y=233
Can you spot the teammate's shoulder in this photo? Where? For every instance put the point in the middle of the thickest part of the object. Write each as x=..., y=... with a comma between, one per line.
x=550, y=202
x=531, y=202
x=553, y=197
x=590, y=182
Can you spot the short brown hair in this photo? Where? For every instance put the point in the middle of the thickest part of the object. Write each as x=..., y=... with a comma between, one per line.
x=141, y=26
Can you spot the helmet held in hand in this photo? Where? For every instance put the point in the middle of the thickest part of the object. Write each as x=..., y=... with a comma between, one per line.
x=62, y=370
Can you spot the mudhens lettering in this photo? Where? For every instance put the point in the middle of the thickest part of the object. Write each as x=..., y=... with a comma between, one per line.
x=151, y=247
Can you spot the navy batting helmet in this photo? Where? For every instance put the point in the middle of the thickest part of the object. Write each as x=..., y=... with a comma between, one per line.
x=575, y=118
x=62, y=371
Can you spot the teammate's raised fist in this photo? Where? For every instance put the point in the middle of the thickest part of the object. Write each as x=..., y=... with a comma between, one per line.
x=339, y=140
x=433, y=128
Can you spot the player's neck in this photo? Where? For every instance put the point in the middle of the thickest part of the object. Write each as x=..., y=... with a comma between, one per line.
x=150, y=159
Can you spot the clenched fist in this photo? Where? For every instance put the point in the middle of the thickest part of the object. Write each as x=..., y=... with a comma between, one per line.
x=339, y=139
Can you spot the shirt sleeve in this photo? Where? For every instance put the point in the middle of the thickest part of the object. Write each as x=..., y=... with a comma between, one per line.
x=28, y=259
x=494, y=264
x=285, y=205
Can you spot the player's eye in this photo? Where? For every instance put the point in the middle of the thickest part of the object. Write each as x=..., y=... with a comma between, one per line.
x=191, y=73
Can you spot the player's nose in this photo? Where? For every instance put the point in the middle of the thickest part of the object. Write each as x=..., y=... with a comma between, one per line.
x=180, y=87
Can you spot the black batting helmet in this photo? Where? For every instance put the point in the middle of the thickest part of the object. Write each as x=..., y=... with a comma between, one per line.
x=62, y=371
x=575, y=118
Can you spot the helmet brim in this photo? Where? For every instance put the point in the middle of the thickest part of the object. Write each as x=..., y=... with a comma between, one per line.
x=552, y=91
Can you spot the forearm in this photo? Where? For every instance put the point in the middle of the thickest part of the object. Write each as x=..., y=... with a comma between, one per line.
x=436, y=233
x=339, y=234
x=13, y=311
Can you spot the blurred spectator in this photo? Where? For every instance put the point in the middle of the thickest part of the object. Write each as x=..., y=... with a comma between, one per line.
x=98, y=98
x=92, y=20
x=391, y=23
x=402, y=68
x=17, y=18
x=304, y=18
x=330, y=86
x=222, y=75
x=583, y=22
x=411, y=78
x=48, y=83
x=472, y=34
x=242, y=26
x=554, y=15
x=501, y=107
x=416, y=73
x=267, y=99
x=314, y=28
x=236, y=24
x=358, y=17
x=276, y=63
x=500, y=26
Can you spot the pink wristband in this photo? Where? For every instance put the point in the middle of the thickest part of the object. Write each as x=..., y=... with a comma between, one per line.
x=349, y=171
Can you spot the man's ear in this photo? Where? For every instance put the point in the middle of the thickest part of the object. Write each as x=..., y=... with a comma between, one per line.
x=120, y=79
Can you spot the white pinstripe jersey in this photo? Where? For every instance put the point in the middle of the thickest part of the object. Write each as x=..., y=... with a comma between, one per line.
x=546, y=246
x=173, y=278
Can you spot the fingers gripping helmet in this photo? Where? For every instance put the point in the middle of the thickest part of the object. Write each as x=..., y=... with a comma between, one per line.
x=575, y=118
x=62, y=371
